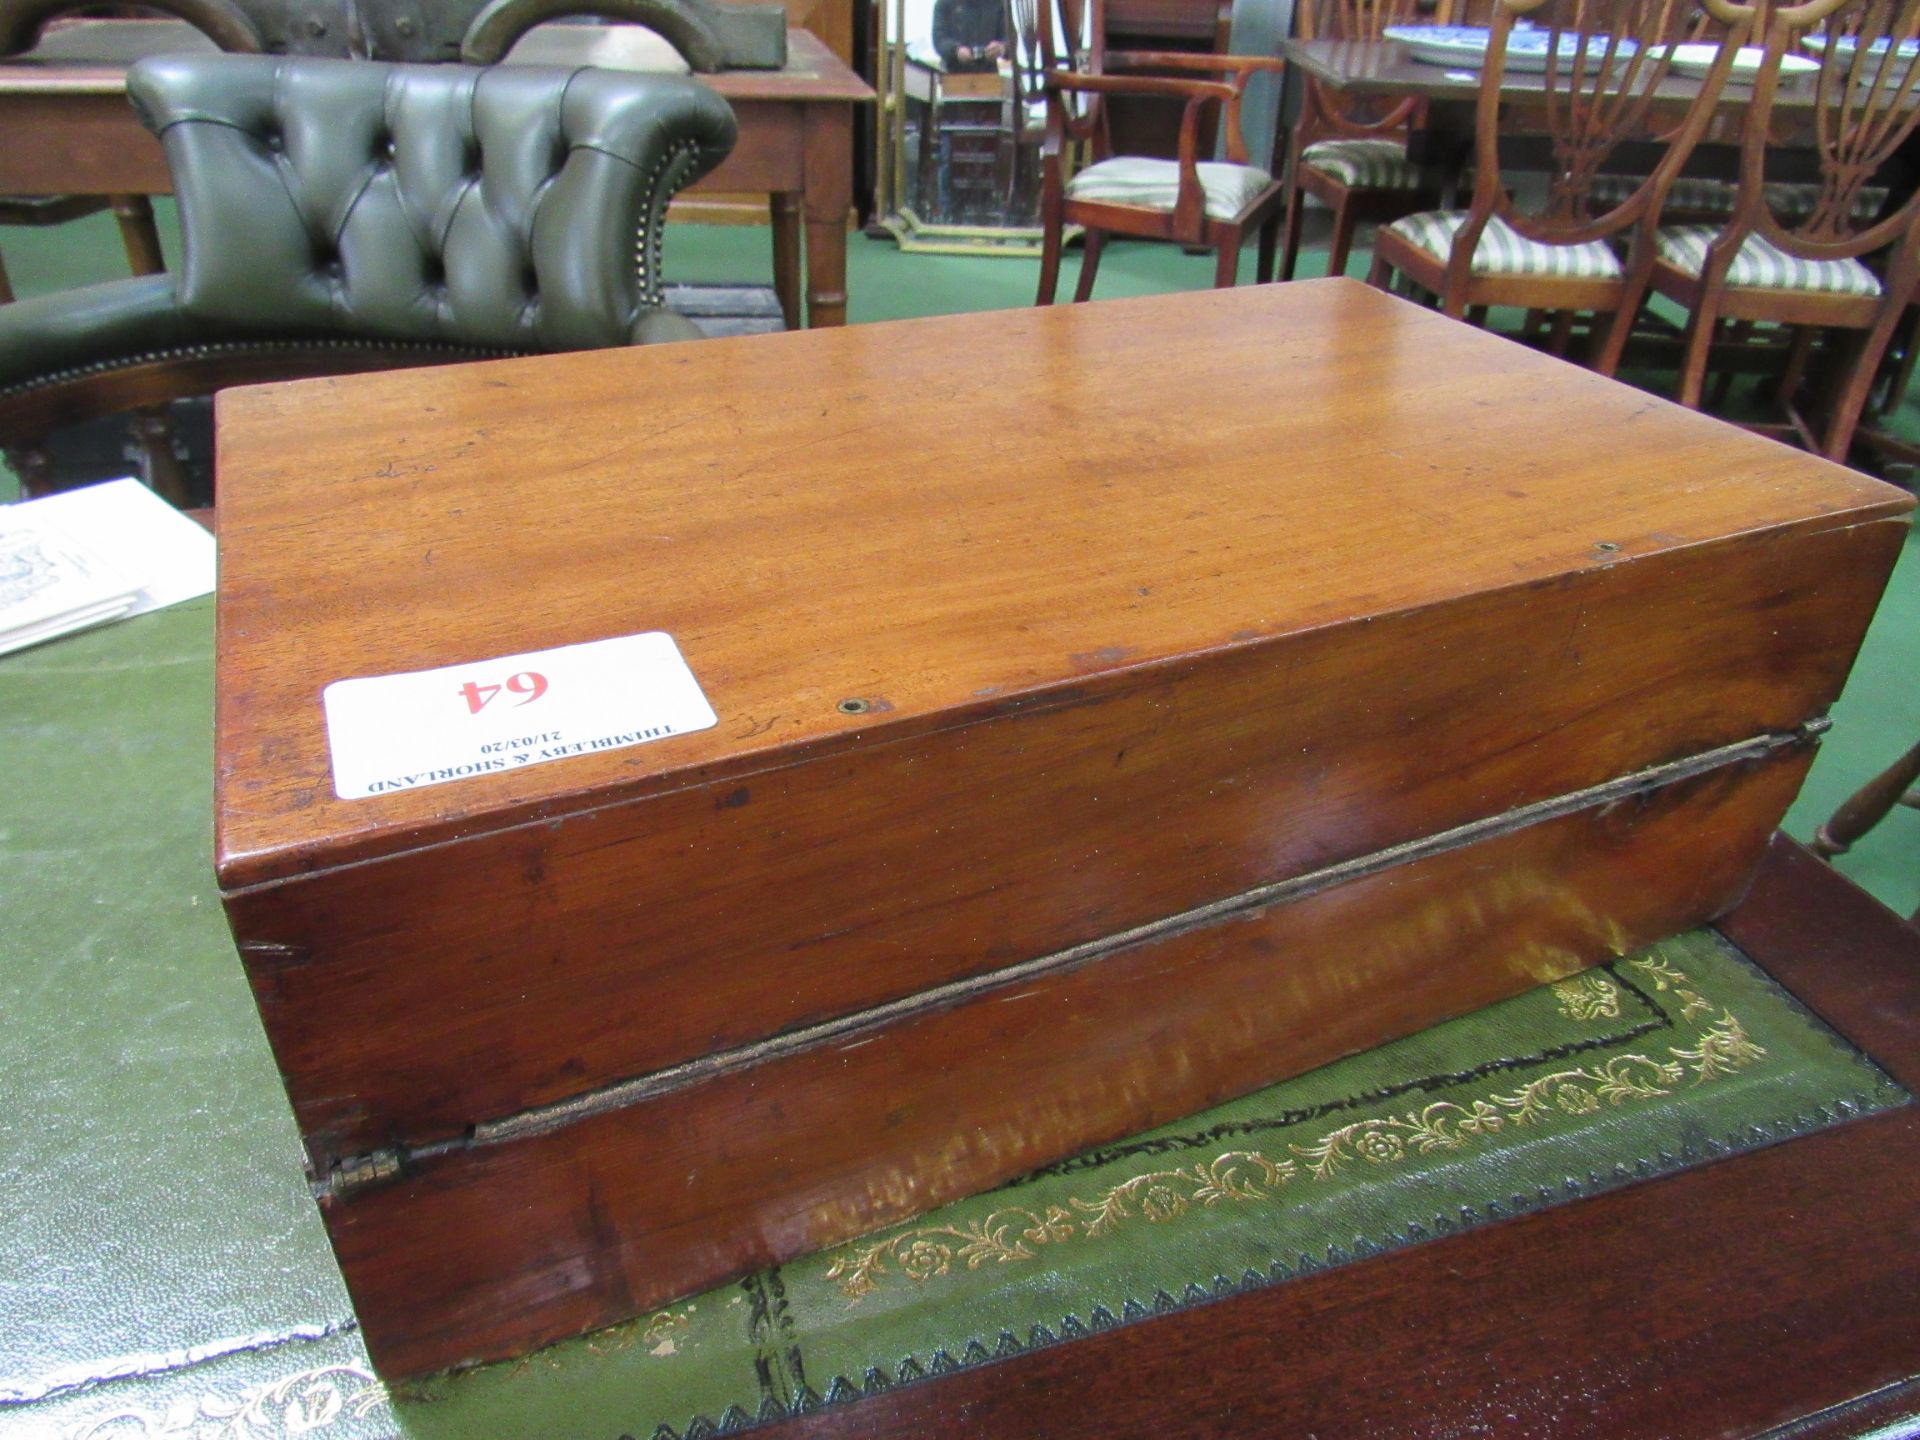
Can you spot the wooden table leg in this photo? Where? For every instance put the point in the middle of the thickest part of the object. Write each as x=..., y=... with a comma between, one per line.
x=139, y=234
x=153, y=450
x=33, y=467
x=784, y=207
x=827, y=198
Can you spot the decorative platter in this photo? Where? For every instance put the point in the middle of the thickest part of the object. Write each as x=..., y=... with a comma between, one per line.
x=1697, y=60
x=1465, y=46
x=1843, y=47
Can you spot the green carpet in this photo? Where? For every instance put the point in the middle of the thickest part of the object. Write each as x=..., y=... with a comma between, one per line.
x=1876, y=720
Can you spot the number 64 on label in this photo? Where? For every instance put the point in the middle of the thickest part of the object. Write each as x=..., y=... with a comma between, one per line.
x=470, y=720
x=530, y=684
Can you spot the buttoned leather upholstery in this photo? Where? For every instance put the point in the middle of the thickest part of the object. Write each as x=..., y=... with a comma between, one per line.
x=496, y=206
x=509, y=209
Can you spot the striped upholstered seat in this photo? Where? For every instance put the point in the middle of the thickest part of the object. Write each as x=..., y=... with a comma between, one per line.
x=1155, y=184
x=1760, y=265
x=1363, y=164
x=1504, y=251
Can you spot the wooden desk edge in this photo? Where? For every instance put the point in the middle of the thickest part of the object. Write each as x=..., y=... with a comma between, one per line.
x=825, y=77
x=813, y=73
x=1796, y=1264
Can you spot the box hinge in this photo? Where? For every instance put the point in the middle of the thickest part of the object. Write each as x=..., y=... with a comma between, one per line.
x=360, y=1172
x=351, y=1176
x=271, y=952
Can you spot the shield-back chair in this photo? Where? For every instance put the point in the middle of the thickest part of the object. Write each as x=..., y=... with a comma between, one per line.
x=1351, y=155
x=1206, y=204
x=1531, y=238
x=1839, y=264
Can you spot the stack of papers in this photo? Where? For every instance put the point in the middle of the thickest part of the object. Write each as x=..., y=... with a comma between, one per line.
x=86, y=557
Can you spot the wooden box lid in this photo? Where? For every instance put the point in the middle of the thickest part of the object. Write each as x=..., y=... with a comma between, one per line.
x=935, y=517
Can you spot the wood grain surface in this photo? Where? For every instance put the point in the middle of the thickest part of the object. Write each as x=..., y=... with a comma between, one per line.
x=815, y=517
x=487, y=1251
x=651, y=932
x=1099, y=699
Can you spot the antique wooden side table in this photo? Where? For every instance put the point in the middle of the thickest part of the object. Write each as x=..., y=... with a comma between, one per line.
x=70, y=131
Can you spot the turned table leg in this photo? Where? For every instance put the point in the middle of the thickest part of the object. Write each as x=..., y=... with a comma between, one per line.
x=785, y=213
x=828, y=197
x=139, y=234
x=152, y=449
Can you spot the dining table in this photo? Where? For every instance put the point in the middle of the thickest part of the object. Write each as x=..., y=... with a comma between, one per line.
x=1442, y=139
x=1388, y=67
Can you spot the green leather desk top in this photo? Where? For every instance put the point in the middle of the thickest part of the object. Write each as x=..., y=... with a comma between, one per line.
x=163, y=1272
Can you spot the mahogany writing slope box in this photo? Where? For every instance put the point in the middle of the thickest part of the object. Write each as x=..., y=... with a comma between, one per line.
x=1071, y=718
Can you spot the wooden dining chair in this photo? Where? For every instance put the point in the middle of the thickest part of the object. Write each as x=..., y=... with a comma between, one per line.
x=134, y=213
x=1869, y=805
x=1349, y=153
x=1840, y=265
x=1029, y=66
x=1898, y=784
x=1531, y=237
x=1206, y=204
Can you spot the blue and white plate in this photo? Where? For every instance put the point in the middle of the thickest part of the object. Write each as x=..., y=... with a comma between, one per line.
x=1466, y=46
x=1696, y=61
x=1844, y=47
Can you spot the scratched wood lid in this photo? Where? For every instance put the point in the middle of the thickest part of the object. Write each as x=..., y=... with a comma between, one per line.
x=851, y=535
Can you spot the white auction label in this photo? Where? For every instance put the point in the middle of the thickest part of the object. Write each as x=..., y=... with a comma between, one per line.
x=429, y=727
